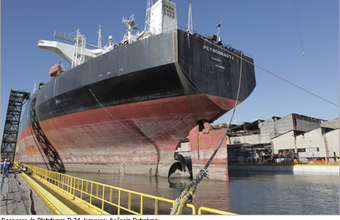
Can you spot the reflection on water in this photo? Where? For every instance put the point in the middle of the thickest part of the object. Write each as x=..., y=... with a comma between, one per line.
x=179, y=183
x=246, y=193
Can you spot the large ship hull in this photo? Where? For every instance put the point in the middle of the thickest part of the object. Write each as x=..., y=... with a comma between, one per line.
x=127, y=110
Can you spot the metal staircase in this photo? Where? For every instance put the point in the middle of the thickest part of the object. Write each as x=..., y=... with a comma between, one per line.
x=10, y=134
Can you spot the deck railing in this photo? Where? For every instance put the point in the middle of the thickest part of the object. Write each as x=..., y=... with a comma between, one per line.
x=108, y=199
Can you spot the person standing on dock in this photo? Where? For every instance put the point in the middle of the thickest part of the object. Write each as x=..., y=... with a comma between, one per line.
x=2, y=165
x=8, y=165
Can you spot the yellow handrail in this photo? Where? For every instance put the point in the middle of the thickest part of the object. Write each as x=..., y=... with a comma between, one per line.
x=94, y=196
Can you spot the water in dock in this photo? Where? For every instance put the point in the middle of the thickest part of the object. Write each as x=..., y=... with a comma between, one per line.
x=258, y=193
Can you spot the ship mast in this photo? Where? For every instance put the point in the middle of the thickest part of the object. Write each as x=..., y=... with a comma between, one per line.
x=99, y=36
x=190, y=23
x=79, y=50
x=218, y=32
x=148, y=16
x=131, y=25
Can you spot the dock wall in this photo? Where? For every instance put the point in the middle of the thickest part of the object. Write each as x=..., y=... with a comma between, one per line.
x=292, y=169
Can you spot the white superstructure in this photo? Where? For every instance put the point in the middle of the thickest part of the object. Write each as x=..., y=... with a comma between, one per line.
x=160, y=17
x=163, y=17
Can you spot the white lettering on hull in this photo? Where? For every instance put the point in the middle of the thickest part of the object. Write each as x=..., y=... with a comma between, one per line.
x=220, y=53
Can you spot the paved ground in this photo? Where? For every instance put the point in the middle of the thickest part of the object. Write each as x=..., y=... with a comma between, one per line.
x=18, y=198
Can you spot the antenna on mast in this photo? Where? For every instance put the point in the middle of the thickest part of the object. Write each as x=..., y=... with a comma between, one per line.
x=148, y=15
x=218, y=32
x=100, y=36
x=190, y=23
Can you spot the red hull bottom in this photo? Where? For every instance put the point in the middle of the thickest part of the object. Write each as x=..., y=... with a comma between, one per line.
x=136, y=138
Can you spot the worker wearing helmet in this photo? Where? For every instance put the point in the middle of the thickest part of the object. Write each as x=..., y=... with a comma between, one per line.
x=8, y=165
x=2, y=165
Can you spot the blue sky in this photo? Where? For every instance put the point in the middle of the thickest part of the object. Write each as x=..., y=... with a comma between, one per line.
x=266, y=29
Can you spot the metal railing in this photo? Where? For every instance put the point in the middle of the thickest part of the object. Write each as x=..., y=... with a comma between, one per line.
x=108, y=199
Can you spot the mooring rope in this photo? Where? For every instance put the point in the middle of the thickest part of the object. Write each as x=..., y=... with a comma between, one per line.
x=285, y=80
x=189, y=191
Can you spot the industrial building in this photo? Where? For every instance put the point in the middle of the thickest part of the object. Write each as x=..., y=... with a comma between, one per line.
x=275, y=139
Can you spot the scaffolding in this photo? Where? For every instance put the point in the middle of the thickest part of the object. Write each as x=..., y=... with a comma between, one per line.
x=10, y=134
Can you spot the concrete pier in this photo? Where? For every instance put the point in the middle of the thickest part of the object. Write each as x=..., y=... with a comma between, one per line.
x=18, y=198
x=296, y=169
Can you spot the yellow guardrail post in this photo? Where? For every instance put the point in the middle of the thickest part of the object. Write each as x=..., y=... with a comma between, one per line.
x=110, y=195
x=119, y=194
x=156, y=207
x=103, y=198
x=141, y=205
x=81, y=190
x=129, y=203
x=91, y=193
